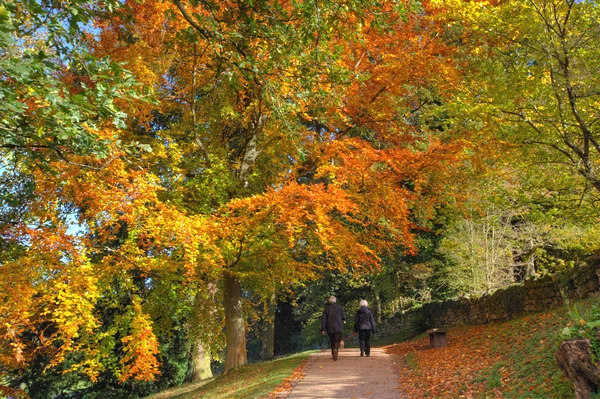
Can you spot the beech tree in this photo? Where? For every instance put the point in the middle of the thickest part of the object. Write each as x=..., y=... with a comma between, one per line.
x=250, y=106
x=56, y=95
x=286, y=139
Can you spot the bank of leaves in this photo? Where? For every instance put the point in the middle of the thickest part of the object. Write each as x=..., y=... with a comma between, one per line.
x=512, y=359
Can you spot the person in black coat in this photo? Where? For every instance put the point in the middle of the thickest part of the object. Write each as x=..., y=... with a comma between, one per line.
x=332, y=322
x=364, y=324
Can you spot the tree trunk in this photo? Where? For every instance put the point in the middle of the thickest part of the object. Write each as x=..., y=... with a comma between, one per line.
x=574, y=357
x=235, y=352
x=201, y=364
x=531, y=272
x=268, y=339
x=377, y=302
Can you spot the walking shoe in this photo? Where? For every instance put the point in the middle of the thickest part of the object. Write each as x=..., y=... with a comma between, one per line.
x=361, y=354
x=335, y=354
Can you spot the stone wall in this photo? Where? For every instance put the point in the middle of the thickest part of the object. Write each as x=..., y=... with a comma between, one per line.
x=530, y=297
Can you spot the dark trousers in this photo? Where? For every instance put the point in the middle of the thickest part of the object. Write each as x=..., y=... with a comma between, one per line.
x=364, y=339
x=334, y=340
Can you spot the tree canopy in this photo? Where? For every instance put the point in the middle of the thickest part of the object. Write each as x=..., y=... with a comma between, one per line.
x=171, y=168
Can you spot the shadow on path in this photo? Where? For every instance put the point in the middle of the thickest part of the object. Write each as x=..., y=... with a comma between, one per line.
x=351, y=377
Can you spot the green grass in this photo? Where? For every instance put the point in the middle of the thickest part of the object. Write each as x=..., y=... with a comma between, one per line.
x=495, y=379
x=410, y=361
x=249, y=382
x=395, y=338
x=389, y=339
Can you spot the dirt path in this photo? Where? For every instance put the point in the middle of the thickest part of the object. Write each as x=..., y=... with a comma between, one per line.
x=351, y=377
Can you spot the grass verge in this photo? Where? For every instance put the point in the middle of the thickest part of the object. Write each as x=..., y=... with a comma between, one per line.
x=249, y=382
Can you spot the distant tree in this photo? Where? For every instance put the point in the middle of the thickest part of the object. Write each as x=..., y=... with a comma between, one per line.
x=533, y=66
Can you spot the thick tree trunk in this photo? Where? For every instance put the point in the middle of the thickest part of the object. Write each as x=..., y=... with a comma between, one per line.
x=201, y=364
x=235, y=352
x=574, y=357
x=268, y=339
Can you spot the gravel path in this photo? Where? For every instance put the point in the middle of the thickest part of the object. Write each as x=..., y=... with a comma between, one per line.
x=351, y=377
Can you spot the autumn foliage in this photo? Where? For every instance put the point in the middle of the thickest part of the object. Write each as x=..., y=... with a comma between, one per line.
x=275, y=140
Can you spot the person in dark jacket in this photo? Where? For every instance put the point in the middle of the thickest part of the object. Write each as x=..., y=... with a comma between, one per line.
x=364, y=324
x=332, y=322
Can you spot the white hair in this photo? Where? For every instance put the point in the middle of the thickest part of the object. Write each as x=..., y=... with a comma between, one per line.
x=332, y=299
x=364, y=303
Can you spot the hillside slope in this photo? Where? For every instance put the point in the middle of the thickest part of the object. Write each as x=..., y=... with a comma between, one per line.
x=512, y=360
